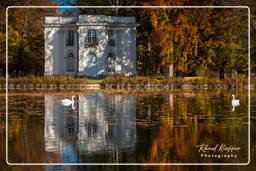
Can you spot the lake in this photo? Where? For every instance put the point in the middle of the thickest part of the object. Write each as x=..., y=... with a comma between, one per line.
x=128, y=127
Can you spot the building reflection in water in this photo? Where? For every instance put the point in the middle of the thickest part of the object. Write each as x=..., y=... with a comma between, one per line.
x=99, y=125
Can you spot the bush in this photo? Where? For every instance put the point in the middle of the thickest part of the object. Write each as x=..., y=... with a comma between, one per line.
x=153, y=81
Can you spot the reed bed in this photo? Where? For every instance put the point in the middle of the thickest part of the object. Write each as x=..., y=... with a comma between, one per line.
x=142, y=81
x=60, y=80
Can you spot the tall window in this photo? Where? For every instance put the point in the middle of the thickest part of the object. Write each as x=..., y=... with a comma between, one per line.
x=110, y=62
x=70, y=38
x=70, y=128
x=111, y=41
x=92, y=37
x=70, y=64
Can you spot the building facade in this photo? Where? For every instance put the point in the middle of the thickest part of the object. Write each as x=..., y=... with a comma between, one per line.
x=90, y=45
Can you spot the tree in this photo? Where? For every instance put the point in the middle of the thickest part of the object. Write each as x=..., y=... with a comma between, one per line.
x=26, y=38
x=179, y=37
x=200, y=40
x=227, y=47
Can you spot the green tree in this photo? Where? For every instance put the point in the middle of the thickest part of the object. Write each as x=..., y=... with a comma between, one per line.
x=26, y=38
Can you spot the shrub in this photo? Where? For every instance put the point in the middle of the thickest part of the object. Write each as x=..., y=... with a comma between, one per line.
x=153, y=81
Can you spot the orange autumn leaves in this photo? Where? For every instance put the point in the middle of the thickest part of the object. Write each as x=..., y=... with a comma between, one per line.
x=195, y=39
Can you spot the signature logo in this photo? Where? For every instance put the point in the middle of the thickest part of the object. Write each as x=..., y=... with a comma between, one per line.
x=218, y=150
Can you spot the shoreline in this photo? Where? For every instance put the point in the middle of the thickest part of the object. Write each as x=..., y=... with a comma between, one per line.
x=125, y=83
x=98, y=86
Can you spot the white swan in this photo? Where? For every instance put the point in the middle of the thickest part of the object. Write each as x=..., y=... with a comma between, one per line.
x=67, y=102
x=234, y=101
x=73, y=106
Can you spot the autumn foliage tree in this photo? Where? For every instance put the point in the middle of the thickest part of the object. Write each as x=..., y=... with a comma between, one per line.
x=199, y=41
x=178, y=36
x=25, y=37
x=173, y=41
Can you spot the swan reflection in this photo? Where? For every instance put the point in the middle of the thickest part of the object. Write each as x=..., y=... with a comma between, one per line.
x=102, y=124
x=235, y=103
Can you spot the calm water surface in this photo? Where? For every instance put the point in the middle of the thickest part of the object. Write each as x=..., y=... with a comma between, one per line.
x=141, y=127
x=127, y=127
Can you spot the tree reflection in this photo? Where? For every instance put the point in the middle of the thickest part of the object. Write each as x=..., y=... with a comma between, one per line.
x=188, y=119
x=125, y=127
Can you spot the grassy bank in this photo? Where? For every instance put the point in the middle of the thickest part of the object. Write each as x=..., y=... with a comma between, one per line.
x=64, y=82
x=154, y=81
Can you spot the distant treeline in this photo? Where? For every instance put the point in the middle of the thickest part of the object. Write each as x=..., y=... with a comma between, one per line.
x=170, y=41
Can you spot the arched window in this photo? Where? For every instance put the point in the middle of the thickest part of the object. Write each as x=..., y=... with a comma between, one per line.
x=92, y=37
x=70, y=62
x=110, y=62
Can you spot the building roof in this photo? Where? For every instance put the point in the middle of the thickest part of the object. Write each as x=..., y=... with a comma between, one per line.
x=89, y=19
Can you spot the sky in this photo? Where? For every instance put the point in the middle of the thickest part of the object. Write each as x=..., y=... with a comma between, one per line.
x=65, y=3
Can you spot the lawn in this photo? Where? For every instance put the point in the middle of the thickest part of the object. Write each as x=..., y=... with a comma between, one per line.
x=94, y=81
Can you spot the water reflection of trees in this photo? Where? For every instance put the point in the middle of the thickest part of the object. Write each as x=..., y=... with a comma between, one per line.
x=189, y=119
x=168, y=126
